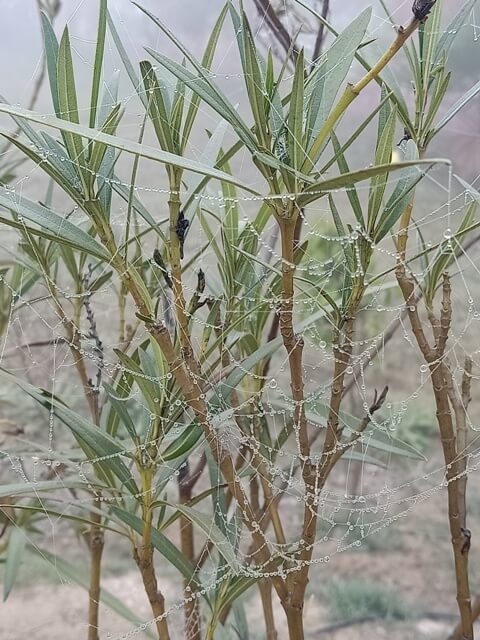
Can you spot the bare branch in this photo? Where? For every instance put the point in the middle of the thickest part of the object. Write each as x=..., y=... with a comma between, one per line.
x=276, y=27
x=317, y=50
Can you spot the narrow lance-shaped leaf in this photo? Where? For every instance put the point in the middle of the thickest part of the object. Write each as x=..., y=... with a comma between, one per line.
x=15, y=551
x=296, y=151
x=206, y=63
x=383, y=155
x=98, y=148
x=48, y=486
x=211, y=95
x=386, y=77
x=254, y=82
x=157, y=109
x=328, y=80
x=50, y=44
x=402, y=193
x=317, y=190
x=98, y=64
x=124, y=145
x=61, y=229
x=119, y=405
x=67, y=98
x=351, y=192
x=161, y=544
x=458, y=106
x=107, y=449
x=450, y=33
x=447, y=253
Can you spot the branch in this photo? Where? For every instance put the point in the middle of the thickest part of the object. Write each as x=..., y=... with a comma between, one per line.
x=317, y=50
x=277, y=28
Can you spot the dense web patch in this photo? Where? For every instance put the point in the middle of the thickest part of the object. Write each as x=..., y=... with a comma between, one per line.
x=383, y=478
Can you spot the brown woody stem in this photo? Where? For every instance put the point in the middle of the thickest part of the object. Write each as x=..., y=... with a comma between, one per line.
x=96, y=544
x=434, y=356
x=143, y=555
x=293, y=343
x=192, y=605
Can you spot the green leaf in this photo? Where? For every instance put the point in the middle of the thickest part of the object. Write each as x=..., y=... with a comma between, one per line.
x=157, y=109
x=149, y=387
x=375, y=436
x=124, y=145
x=97, y=67
x=325, y=82
x=213, y=533
x=401, y=195
x=254, y=80
x=126, y=60
x=57, y=156
x=341, y=232
x=352, y=194
x=98, y=148
x=185, y=442
x=224, y=389
x=67, y=99
x=50, y=44
x=458, y=106
x=296, y=151
x=210, y=94
x=386, y=77
x=119, y=406
x=318, y=189
x=88, y=435
x=61, y=230
x=450, y=33
x=383, y=155
x=48, y=486
x=15, y=551
x=206, y=64
x=447, y=252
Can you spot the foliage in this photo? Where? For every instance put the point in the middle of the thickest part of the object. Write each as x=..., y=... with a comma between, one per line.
x=186, y=393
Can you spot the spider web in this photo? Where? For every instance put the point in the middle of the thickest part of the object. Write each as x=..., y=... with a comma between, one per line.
x=395, y=466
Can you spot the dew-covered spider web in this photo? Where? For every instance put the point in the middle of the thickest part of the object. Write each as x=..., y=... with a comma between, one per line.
x=76, y=355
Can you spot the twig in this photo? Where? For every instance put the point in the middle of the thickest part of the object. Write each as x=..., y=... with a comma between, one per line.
x=276, y=27
x=320, y=39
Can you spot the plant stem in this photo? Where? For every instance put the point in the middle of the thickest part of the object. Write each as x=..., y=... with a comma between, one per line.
x=434, y=358
x=295, y=622
x=178, y=295
x=192, y=606
x=297, y=581
x=265, y=588
x=96, y=544
x=143, y=555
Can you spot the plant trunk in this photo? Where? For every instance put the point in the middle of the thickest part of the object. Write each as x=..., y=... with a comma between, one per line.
x=439, y=376
x=265, y=588
x=192, y=604
x=144, y=559
x=96, y=543
x=293, y=343
x=460, y=552
x=295, y=622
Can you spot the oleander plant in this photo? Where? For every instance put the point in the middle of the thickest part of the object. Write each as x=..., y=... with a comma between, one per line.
x=205, y=285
